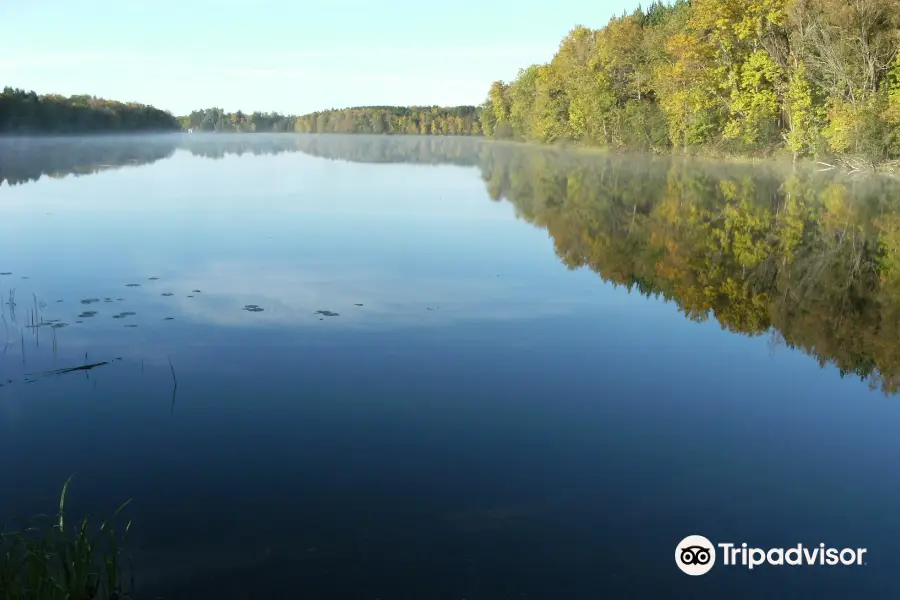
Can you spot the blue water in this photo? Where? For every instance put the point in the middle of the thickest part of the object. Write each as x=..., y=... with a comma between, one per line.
x=487, y=425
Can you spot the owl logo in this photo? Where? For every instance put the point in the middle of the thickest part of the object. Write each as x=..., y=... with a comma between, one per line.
x=695, y=555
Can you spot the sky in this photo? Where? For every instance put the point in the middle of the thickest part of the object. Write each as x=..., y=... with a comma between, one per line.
x=281, y=55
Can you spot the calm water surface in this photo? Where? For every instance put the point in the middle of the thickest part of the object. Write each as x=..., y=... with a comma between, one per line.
x=469, y=370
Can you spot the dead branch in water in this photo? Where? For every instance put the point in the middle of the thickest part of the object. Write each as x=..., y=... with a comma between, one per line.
x=65, y=371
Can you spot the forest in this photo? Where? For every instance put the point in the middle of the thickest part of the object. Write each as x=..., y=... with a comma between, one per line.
x=24, y=112
x=410, y=120
x=800, y=78
x=216, y=119
x=751, y=77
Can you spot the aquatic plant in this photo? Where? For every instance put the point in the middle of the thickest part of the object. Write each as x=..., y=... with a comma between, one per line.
x=51, y=559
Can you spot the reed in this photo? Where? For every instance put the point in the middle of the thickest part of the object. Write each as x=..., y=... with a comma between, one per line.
x=51, y=560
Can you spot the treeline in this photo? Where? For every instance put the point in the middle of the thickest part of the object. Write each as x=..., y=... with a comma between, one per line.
x=810, y=77
x=216, y=119
x=410, y=120
x=24, y=112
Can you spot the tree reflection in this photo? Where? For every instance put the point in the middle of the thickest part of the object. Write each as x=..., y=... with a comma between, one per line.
x=23, y=160
x=810, y=258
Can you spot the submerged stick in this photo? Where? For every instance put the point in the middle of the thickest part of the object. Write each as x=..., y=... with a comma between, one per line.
x=67, y=370
x=171, y=366
x=175, y=388
x=78, y=368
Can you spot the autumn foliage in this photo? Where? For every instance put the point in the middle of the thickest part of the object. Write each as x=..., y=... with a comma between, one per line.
x=810, y=77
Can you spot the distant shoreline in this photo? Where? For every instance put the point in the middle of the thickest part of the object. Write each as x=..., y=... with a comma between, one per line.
x=781, y=159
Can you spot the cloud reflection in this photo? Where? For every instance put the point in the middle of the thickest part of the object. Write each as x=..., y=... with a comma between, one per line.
x=290, y=297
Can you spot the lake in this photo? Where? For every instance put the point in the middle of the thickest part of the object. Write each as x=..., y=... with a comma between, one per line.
x=441, y=368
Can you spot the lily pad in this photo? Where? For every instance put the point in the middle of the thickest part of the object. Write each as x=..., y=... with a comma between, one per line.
x=88, y=314
x=195, y=291
x=168, y=294
x=59, y=325
x=6, y=273
x=253, y=308
x=326, y=313
x=123, y=315
x=169, y=319
x=154, y=279
x=131, y=325
x=357, y=305
x=90, y=300
x=132, y=285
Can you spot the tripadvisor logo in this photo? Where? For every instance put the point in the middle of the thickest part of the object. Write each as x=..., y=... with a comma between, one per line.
x=696, y=555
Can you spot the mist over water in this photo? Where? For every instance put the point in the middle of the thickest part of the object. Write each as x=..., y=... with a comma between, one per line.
x=449, y=368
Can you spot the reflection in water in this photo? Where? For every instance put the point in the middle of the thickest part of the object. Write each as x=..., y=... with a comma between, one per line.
x=387, y=382
x=357, y=148
x=810, y=258
x=25, y=160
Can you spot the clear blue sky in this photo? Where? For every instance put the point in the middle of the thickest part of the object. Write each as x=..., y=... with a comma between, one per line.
x=289, y=56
